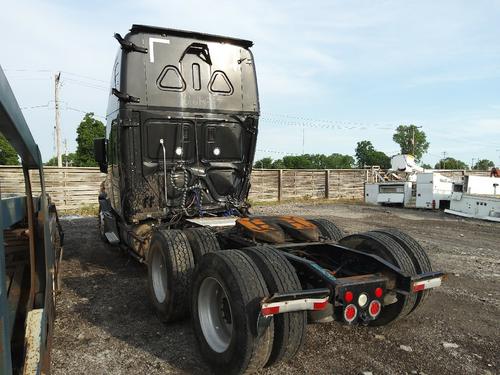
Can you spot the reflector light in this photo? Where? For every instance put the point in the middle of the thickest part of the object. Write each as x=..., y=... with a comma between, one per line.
x=320, y=305
x=350, y=313
x=374, y=308
x=270, y=310
x=418, y=286
x=348, y=296
x=379, y=292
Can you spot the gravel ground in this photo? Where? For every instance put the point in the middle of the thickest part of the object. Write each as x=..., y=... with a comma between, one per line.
x=106, y=325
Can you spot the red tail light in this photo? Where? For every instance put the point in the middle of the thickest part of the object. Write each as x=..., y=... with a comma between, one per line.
x=348, y=296
x=350, y=313
x=374, y=308
x=379, y=292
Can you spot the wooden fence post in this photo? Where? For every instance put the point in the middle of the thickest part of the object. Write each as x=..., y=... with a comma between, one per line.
x=327, y=183
x=280, y=180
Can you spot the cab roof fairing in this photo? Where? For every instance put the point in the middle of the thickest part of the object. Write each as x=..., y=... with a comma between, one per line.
x=137, y=29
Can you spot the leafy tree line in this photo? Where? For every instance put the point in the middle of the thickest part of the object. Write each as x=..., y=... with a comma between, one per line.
x=307, y=161
x=410, y=138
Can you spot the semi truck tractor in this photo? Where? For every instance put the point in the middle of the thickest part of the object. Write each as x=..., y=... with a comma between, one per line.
x=182, y=126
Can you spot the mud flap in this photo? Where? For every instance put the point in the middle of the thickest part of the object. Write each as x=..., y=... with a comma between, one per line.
x=109, y=221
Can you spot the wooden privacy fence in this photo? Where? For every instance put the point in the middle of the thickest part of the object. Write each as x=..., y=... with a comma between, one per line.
x=283, y=184
x=69, y=188
x=72, y=188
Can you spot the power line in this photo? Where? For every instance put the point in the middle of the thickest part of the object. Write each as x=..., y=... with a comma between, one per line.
x=86, y=84
x=66, y=107
x=36, y=106
x=277, y=152
x=54, y=70
x=83, y=111
x=85, y=77
x=319, y=125
x=302, y=119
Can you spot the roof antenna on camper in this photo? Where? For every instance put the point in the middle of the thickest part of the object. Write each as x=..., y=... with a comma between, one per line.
x=162, y=142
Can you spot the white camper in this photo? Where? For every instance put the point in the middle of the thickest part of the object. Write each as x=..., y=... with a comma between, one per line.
x=389, y=192
x=433, y=190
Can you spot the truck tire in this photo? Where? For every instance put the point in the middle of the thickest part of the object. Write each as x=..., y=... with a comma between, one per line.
x=225, y=303
x=417, y=254
x=170, y=269
x=328, y=229
x=202, y=241
x=280, y=277
x=388, y=249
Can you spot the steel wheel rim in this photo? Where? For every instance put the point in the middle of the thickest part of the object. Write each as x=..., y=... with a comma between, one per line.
x=215, y=315
x=159, y=276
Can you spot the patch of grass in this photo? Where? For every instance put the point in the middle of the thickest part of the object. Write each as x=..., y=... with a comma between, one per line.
x=83, y=210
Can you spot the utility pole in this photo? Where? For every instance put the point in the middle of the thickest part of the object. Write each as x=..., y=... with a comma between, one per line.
x=57, y=132
x=444, y=159
x=66, y=152
x=472, y=164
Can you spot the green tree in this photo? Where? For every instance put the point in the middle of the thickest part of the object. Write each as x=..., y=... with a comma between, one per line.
x=450, y=163
x=8, y=155
x=426, y=166
x=265, y=163
x=411, y=140
x=339, y=161
x=484, y=165
x=278, y=164
x=87, y=131
x=366, y=155
x=70, y=158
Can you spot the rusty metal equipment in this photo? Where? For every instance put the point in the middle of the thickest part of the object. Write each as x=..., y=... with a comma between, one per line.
x=30, y=248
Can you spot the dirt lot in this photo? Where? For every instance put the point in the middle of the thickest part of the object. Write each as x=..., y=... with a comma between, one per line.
x=106, y=325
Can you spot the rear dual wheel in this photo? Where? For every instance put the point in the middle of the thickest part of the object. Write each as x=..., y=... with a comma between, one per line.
x=228, y=287
x=328, y=229
x=171, y=259
x=387, y=248
x=170, y=270
x=202, y=240
x=417, y=254
x=225, y=300
x=280, y=277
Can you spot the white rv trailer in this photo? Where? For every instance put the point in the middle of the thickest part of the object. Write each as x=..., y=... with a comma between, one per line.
x=433, y=190
x=477, y=197
x=400, y=189
x=389, y=192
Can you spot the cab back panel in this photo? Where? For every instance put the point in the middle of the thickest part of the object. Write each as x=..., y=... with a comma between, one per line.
x=208, y=76
x=200, y=98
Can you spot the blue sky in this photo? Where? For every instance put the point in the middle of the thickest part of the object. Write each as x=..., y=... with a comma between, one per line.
x=330, y=73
